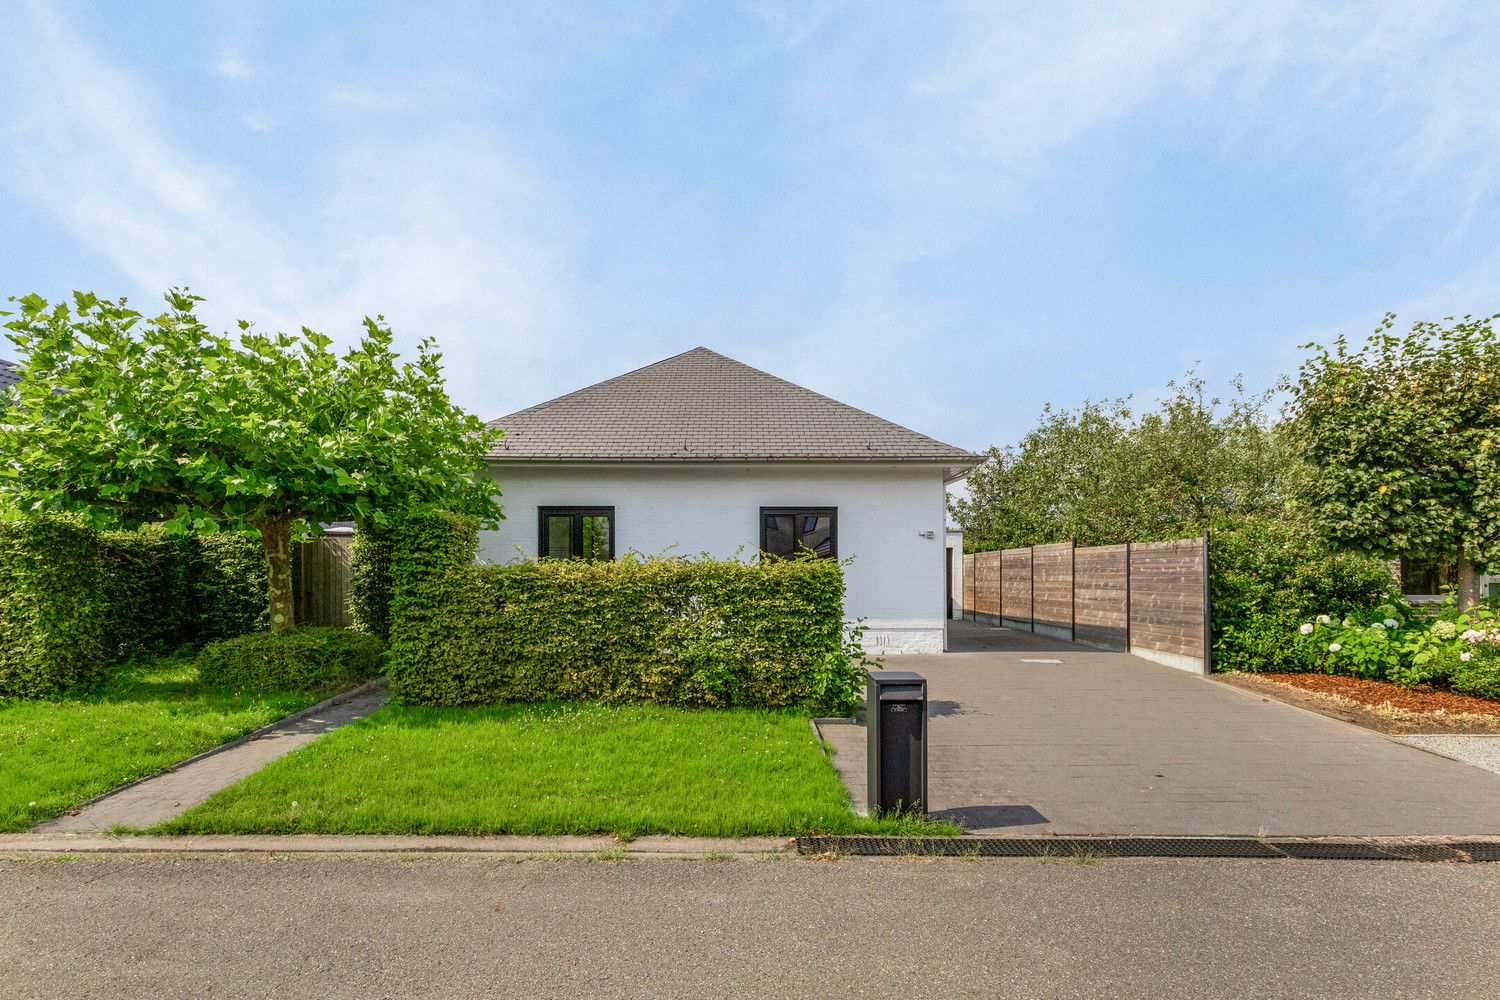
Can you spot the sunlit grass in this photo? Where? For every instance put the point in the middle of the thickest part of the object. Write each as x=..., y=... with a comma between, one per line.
x=55, y=755
x=549, y=769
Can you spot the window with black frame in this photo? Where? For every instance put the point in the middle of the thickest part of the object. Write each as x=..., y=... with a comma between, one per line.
x=788, y=531
x=576, y=532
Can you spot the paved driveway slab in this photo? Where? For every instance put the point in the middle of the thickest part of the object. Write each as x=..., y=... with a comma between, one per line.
x=1105, y=742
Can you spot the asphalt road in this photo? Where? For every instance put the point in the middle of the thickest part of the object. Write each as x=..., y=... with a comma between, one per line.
x=435, y=927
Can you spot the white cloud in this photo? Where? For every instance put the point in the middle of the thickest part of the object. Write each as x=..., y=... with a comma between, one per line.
x=1000, y=102
x=454, y=239
x=232, y=65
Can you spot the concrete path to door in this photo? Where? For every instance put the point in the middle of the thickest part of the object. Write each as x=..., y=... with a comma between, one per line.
x=1108, y=743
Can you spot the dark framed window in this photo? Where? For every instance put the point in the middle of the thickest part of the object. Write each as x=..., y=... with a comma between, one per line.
x=576, y=532
x=786, y=531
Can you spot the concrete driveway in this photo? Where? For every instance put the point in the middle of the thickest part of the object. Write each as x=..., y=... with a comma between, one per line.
x=1109, y=743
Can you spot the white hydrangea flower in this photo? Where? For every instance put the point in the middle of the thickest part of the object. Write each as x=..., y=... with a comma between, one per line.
x=1466, y=656
x=1334, y=647
x=1325, y=620
x=1379, y=625
x=1444, y=629
x=1306, y=629
x=1391, y=623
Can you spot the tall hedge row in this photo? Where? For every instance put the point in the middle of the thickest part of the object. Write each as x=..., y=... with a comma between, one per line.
x=670, y=631
x=74, y=600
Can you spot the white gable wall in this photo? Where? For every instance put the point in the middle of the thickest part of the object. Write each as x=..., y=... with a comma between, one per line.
x=896, y=582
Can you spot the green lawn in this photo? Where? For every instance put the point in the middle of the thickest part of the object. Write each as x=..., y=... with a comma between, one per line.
x=549, y=769
x=148, y=716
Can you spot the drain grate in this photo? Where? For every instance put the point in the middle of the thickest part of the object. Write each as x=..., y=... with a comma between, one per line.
x=1316, y=850
x=1150, y=847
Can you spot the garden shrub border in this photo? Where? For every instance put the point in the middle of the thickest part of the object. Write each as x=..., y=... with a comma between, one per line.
x=75, y=600
x=672, y=631
x=312, y=660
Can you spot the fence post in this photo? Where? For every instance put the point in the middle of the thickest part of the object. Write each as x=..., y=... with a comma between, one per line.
x=1208, y=612
x=1073, y=591
x=1031, y=583
x=1127, y=597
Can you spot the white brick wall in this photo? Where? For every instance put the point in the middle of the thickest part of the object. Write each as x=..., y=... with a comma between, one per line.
x=895, y=582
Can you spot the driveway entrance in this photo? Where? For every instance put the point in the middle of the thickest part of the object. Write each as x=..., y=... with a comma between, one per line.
x=1033, y=735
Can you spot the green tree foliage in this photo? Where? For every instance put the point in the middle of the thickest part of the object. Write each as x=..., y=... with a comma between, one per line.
x=1106, y=473
x=138, y=419
x=1400, y=437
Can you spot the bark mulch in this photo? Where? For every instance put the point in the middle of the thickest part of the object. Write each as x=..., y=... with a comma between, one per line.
x=1378, y=705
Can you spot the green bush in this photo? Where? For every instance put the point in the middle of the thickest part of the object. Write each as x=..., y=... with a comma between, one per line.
x=227, y=581
x=370, y=581
x=1267, y=578
x=74, y=601
x=671, y=631
x=314, y=660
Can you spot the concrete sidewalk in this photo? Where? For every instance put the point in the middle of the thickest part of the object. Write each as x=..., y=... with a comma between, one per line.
x=1107, y=743
x=159, y=798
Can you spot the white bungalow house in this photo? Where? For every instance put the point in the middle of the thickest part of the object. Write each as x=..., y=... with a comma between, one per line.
x=702, y=454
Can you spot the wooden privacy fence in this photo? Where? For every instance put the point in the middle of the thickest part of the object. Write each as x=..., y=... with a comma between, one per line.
x=1150, y=598
x=320, y=576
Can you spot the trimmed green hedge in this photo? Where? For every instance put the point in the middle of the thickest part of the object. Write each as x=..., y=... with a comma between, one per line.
x=1267, y=577
x=370, y=581
x=670, y=631
x=74, y=600
x=314, y=660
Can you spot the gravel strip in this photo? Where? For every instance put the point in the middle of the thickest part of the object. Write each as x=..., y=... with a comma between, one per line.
x=1481, y=751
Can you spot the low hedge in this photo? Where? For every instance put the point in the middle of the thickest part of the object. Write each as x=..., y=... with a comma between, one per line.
x=665, y=630
x=314, y=660
x=74, y=600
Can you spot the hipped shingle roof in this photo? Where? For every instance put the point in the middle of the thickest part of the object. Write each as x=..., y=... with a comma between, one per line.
x=703, y=406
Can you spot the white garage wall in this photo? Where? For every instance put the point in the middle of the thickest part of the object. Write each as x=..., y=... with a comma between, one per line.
x=895, y=582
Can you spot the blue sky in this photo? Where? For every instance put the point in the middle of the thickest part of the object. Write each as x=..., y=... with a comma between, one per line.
x=948, y=215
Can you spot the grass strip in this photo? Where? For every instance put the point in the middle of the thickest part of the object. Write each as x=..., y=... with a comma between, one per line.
x=550, y=769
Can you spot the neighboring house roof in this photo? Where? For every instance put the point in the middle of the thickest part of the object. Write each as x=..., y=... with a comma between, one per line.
x=9, y=374
x=702, y=406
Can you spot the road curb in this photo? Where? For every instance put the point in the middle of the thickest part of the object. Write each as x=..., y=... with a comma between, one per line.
x=71, y=844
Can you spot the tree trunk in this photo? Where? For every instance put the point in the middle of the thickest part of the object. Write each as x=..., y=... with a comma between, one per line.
x=276, y=543
x=1468, y=583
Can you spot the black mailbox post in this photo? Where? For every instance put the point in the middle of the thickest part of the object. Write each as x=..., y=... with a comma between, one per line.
x=896, y=721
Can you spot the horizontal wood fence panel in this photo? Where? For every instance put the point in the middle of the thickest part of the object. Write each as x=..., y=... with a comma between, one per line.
x=968, y=585
x=1015, y=584
x=1167, y=597
x=987, y=583
x=1150, y=597
x=1052, y=585
x=1101, y=599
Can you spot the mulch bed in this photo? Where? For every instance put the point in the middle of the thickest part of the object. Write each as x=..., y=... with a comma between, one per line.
x=1379, y=705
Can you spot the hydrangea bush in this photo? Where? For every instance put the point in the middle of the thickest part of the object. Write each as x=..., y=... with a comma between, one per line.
x=1457, y=649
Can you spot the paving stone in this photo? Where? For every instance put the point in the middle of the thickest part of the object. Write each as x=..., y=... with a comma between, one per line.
x=1105, y=742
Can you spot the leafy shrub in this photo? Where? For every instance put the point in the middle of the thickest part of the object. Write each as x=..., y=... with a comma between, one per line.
x=227, y=581
x=74, y=600
x=1267, y=577
x=315, y=660
x=673, y=631
x=370, y=581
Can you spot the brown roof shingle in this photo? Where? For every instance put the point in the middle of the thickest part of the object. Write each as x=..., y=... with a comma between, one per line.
x=702, y=406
